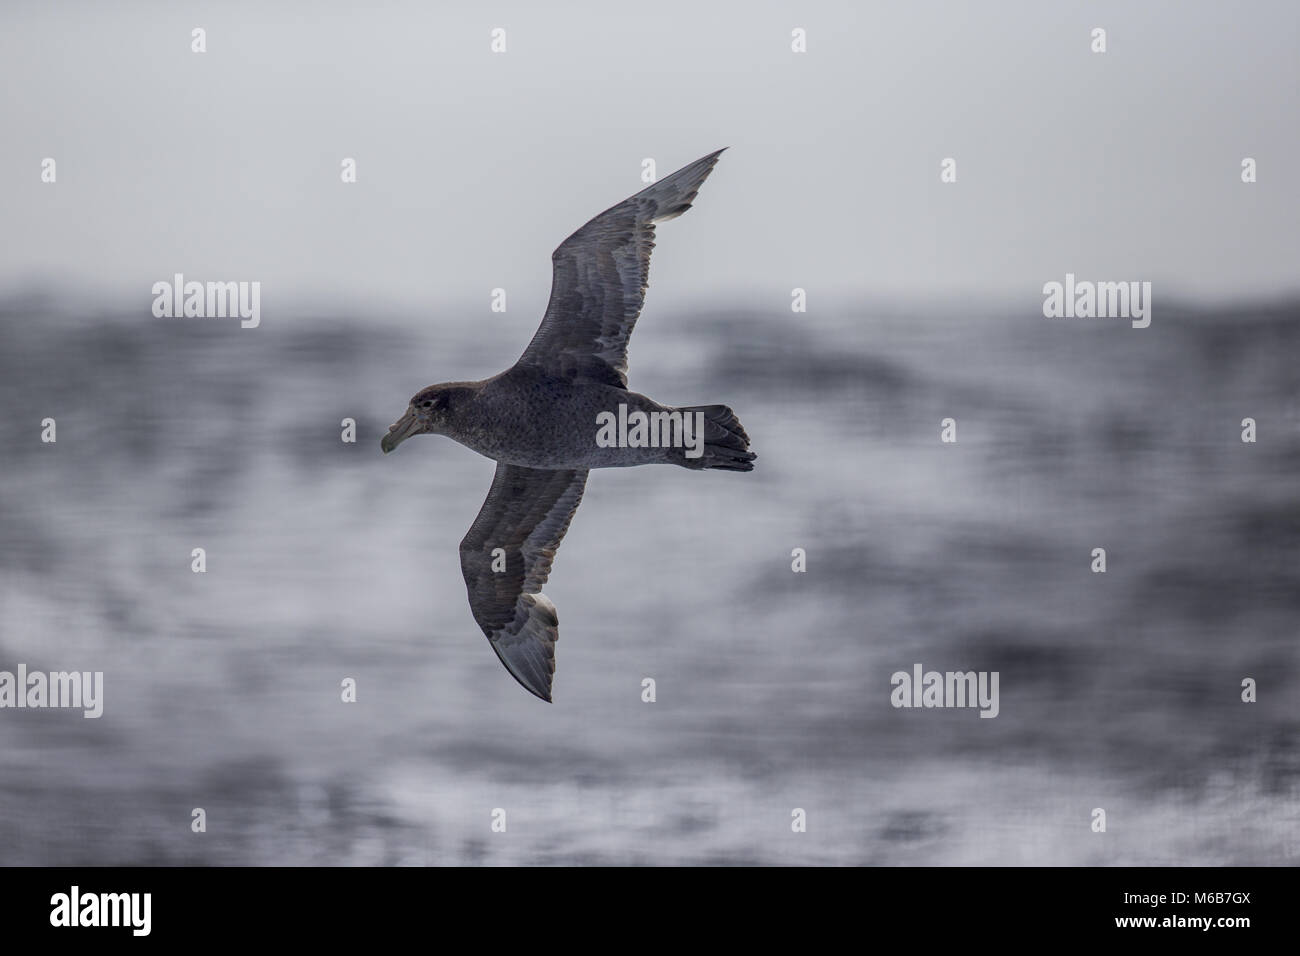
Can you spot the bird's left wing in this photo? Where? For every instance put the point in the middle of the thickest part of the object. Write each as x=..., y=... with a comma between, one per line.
x=526, y=514
x=599, y=278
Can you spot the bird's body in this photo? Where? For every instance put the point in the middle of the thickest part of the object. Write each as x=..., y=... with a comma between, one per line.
x=525, y=417
x=563, y=409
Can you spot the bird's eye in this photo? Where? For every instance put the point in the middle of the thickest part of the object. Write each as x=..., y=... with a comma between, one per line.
x=428, y=404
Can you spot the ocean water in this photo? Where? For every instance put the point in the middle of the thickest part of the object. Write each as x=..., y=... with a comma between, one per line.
x=328, y=560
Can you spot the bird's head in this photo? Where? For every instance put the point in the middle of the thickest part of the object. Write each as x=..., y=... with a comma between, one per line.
x=424, y=416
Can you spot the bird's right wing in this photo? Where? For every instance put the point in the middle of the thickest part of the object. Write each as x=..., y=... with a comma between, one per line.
x=599, y=279
x=526, y=514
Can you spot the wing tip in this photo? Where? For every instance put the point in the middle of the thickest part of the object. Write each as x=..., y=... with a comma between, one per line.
x=529, y=653
x=679, y=189
x=537, y=683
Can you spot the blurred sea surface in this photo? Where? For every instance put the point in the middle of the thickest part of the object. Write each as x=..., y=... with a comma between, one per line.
x=328, y=560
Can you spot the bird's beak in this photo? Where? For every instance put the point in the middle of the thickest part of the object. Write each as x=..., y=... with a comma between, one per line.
x=400, y=430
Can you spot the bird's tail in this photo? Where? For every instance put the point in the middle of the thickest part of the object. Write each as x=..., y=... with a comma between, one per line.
x=725, y=446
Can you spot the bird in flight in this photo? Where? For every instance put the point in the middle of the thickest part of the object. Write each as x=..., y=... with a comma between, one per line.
x=561, y=410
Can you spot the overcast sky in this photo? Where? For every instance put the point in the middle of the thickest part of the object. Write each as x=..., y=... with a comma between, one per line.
x=472, y=166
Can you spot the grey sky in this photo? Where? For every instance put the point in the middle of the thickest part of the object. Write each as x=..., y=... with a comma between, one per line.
x=473, y=166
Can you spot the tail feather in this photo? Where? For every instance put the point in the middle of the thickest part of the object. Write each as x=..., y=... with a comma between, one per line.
x=726, y=445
